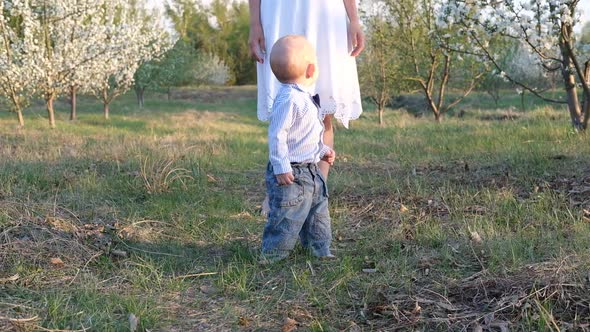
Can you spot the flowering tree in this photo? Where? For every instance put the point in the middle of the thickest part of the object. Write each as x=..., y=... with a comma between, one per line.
x=62, y=45
x=544, y=27
x=68, y=34
x=135, y=36
x=151, y=75
x=380, y=68
x=16, y=57
x=92, y=27
x=181, y=65
x=174, y=68
x=210, y=70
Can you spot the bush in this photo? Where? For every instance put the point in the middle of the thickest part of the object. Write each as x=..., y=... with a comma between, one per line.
x=211, y=70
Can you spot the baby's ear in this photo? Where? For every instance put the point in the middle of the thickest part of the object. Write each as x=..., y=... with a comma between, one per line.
x=310, y=71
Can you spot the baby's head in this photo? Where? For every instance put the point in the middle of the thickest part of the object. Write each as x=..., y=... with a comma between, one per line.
x=293, y=60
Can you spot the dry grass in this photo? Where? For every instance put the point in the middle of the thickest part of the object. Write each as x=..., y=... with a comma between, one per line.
x=472, y=225
x=47, y=237
x=158, y=175
x=42, y=246
x=551, y=292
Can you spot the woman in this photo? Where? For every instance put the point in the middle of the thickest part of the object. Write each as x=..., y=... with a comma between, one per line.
x=333, y=28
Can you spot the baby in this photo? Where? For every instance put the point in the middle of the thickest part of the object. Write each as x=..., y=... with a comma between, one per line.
x=298, y=193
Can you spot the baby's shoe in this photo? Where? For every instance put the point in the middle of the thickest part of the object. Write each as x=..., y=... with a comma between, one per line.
x=328, y=257
x=267, y=259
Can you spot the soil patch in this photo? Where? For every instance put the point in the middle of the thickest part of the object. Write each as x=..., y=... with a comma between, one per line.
x=555, y=291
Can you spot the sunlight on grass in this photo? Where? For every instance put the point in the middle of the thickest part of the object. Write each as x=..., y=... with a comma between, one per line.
x=156, y=213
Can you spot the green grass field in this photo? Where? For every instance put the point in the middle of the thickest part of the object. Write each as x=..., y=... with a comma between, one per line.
x=150, y=222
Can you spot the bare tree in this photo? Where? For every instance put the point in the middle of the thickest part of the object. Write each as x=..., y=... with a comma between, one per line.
x=426, y=47
x=380, y=66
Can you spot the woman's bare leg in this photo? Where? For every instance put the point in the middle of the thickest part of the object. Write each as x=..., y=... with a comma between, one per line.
x=329, y=141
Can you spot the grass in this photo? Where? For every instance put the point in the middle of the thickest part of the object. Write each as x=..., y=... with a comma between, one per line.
x=481, y=221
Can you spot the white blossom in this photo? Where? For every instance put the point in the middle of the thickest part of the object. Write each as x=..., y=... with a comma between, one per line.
x=544, y=28
x=133, y=38
x=17, y=54
x=93, y=44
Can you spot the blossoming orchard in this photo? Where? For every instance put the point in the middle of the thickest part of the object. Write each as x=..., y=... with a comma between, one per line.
x=545, y=28
x=53, y=48
x=441, y=50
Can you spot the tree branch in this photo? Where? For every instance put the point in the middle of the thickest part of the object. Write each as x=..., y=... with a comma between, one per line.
x=574, y=59
x=444, y=81
x=466, y=92
x=509, y=78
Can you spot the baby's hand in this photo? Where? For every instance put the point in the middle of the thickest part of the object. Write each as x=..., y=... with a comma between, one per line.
x=285, y=179
x=329, y=157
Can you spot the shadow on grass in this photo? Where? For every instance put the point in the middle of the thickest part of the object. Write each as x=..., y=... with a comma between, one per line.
x=416, y=104
x=61, y=273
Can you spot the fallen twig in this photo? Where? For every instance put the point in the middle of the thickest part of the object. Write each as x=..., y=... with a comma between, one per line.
x=148, y=251
x=195, y=275
x=9, y=279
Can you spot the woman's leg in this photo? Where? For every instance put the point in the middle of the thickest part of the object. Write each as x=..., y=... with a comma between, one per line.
x=329, y=141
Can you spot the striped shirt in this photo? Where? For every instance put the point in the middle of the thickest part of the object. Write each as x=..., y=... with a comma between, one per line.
x=296, y=130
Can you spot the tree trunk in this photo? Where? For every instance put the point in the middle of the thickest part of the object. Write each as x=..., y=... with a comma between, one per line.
x=139, y=94
x=106, y=111
x=381, y=123
x=586, y=105
x=169, y=93
x=21, y=120
x=572, y=99
x=438, y=117
x=522, y=107
x=443, y=84
x=429, y=99
x=73, y=115
x=435, y=110
x=570, y=88
x=106, y=102
x=50, y=110
x=586, y=111
x=494, y=95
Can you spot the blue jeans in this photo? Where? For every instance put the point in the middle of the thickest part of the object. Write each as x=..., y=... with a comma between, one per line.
x=297, y=211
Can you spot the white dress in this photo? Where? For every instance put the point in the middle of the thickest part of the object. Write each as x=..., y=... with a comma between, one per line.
x=324, y=24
